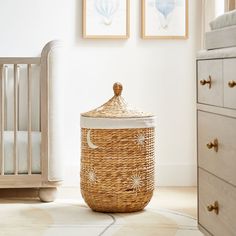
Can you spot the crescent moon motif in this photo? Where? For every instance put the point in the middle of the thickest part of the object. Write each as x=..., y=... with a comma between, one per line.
x=90, y=144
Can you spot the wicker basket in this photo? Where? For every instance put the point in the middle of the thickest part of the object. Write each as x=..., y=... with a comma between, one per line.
x=117, y=156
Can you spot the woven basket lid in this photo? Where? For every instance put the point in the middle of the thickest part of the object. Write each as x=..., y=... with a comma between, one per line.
x=116, y=107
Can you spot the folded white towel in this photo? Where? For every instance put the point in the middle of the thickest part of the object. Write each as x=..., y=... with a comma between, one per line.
x=225, y=20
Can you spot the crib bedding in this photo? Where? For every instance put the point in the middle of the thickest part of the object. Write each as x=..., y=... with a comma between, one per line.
x=22, y=152
x=225, y=20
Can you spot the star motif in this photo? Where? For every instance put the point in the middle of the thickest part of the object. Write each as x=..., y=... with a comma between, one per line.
x=91, y=176
x=141, y=139
x=136, y=181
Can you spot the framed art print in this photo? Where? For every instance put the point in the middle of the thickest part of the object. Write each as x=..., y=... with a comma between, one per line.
x=165, y=19
x=106, y=19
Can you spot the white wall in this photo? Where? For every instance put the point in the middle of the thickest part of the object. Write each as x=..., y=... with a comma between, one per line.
x=157, y=75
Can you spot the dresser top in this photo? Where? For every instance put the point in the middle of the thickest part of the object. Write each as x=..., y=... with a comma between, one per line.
x=217, y=53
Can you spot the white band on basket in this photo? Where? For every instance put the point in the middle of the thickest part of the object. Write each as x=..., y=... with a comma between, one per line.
x=116, y=123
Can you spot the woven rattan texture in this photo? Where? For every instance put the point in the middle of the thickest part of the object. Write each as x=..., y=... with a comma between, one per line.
x=117, y=173
x=116, y=107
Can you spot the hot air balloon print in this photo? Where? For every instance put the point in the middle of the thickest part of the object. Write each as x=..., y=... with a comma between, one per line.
x=106, y=19
x=107, y=9
x=165, y=8
x=165, y=19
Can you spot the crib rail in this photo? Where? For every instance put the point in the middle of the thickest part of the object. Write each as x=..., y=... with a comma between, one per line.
x=4, y=64
x=19, y=60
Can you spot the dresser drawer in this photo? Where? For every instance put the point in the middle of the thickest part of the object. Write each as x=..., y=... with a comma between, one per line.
x=210, y=82
x=229, y=83
x=211, y=190
x=221, y=162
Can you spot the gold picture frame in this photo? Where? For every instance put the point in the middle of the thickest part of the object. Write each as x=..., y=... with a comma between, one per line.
x=144, y=33
x=86, y=28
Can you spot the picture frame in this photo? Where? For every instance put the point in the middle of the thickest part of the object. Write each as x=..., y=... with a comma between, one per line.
x=106, y=19
x=162, y=20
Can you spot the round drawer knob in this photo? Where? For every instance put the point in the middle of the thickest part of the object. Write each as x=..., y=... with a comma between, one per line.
x=204, y=82
x=231, y=83
x=214, y=207
x=214, y=144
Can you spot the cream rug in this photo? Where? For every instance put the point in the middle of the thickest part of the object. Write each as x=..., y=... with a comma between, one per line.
x=70, y=217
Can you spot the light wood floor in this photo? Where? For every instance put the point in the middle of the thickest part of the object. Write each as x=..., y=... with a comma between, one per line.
x=181, y=199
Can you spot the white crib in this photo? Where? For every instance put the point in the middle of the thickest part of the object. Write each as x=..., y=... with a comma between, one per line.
x=30, y=115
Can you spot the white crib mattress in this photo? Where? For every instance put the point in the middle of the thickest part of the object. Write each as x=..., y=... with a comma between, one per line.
x=22, y=152
x=221, y=38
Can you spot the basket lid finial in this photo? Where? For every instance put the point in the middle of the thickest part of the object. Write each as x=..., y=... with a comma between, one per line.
x=117, y=88
x=116, y=107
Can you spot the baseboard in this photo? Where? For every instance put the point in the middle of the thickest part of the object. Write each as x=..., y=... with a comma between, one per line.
x=176, y=175
x=165, y=175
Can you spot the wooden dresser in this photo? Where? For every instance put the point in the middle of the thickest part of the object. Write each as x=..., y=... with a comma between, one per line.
x=216, y=131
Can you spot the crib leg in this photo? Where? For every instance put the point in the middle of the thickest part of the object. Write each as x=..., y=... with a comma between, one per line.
x=47, y=194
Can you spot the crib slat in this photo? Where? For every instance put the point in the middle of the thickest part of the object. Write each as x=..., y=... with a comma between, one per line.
x=2, y=118
x=16, y=84
x=29, y=120
x=5, y=97
x=18, y=98
x=40, y=108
